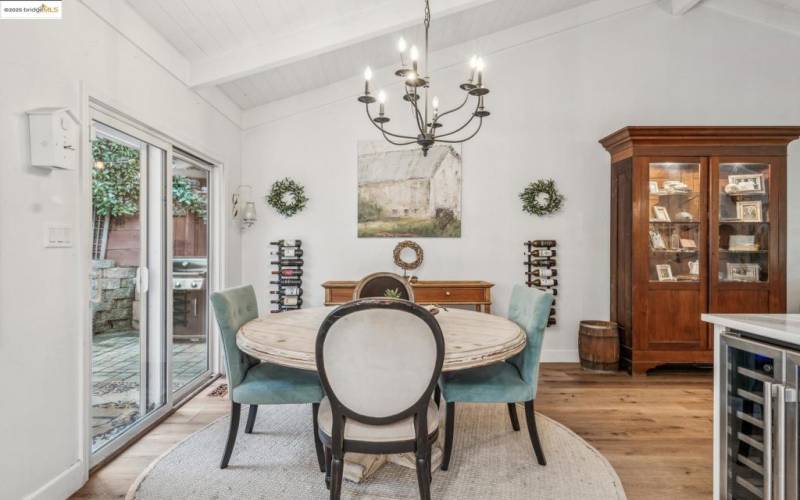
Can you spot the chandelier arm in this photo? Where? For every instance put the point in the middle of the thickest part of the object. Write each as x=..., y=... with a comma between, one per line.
x=454, y=109
x=462, y=127
x=386, y=137
x=380, y=127
x=457, y=141
x=415, y=110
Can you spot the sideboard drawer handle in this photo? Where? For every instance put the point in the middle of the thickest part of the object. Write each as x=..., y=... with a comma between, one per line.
x=447, y=292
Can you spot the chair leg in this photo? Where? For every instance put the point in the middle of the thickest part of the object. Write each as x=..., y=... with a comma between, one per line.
x=512, y=412
x=530, y=416
x=317, y=442
x=328, y=459
x=449, y=423
x=337, y=471
x=437, y=395
x=423, y=477
x=251, y=419
x=236, y=409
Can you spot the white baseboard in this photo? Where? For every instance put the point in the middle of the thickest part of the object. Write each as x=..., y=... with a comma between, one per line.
x=560, y=356
x=61, y=486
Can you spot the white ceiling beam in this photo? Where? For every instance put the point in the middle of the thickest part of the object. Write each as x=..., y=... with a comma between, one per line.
x=329, y=36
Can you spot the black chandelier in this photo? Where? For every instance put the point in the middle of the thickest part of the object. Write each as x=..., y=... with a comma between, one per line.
x=428, y=124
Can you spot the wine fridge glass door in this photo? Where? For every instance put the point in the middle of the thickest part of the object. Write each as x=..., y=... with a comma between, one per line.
x=751, y=372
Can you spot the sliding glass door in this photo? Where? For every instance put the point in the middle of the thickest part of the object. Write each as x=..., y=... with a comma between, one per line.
x=150, y=276
x=190, y=263
x=128, y=345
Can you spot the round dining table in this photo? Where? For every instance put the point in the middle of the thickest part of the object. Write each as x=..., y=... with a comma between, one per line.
x=471, y=339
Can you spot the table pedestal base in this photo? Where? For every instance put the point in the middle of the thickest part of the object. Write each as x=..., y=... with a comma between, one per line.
x=358, y=466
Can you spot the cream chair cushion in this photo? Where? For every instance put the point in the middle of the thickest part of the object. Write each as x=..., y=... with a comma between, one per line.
x=379, y=361
x=354, y=430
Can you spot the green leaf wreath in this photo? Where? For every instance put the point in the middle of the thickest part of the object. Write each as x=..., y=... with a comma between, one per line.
x=541, y=198
x=287, y=197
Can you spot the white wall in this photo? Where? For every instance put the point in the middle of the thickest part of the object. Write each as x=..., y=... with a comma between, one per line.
x=41, y=64
x=552, y=99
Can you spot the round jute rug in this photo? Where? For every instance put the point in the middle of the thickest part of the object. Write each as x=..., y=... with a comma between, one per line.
x=278, y=462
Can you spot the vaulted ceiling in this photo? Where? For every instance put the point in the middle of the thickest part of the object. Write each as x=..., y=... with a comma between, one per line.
x=259, y=51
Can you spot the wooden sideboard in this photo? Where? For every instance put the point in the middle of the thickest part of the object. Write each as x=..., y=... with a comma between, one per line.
x=472, y=293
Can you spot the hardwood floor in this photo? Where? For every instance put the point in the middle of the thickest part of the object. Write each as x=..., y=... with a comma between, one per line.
x=655, y=430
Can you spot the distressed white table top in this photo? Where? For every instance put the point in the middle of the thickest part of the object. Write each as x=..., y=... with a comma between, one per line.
x=471, y=338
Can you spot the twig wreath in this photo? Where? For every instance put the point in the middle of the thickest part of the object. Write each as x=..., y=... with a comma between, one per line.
x=404, y=264
x=287, y=197
x=541, y=198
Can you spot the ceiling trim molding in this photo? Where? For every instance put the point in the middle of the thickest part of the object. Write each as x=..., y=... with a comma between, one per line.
x=443, y=60
x=332, y=35
x=759, y=12
x=130, y=25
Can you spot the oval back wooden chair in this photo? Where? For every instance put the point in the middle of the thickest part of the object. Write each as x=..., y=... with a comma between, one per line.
x=379, y=361
x=376, y=285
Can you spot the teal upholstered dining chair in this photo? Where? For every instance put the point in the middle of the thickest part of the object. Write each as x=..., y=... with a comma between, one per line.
x=255, y=383
x=511, y=381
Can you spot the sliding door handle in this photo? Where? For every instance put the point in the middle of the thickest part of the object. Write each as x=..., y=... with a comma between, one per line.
x=142, y=280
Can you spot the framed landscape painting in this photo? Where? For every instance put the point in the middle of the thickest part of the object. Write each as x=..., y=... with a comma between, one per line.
x=402, y=193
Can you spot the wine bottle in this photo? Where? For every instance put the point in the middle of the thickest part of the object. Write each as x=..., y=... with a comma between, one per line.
x=289, y=300
x=544, y=272
x=551, y=291
x=287, y=281
x=543, y=243
x=545, y=282
x=288, y=271
x=546, y=262
x=286, y=243
x=541, y=252
x=287, y=262
x=292, y=290
x=551, y=321
x=288, y=252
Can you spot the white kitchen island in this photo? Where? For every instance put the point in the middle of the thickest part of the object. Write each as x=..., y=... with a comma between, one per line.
x=756, y=369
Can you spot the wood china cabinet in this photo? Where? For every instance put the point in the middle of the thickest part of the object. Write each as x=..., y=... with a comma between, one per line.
x=698, y=224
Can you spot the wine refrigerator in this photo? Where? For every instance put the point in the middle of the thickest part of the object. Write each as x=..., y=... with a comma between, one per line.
x=758, y=425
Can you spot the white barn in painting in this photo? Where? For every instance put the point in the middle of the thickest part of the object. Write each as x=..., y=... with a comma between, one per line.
x=404, y=183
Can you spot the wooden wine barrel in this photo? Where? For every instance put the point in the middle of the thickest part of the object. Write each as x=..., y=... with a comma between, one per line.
x=598, y=345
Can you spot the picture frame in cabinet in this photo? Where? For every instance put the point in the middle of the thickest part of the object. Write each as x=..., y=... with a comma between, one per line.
x=660, y=214
x=657, y=241
x=742, y=243
x=749, y=211
x=653, y=187
x=743, y=271
x=664, y=272
x=746, y=184
x=694, y=267
x=688, y=244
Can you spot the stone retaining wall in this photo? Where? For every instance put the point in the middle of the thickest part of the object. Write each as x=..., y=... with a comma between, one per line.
x=113, y=297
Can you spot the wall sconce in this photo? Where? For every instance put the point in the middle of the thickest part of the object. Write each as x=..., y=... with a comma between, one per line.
x=244, y=208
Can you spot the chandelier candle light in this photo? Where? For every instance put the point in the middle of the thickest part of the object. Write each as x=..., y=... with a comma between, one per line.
x=426, y=116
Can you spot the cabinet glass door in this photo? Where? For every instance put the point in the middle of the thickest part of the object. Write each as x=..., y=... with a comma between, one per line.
x=676, y=211
x=744, y=232
x=752, y=370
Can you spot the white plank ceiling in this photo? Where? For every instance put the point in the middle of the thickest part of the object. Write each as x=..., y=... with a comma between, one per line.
x=214, y=35
x=258, y=51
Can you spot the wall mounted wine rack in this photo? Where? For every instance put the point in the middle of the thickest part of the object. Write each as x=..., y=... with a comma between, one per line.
x=287, y=275
x=541, y=270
